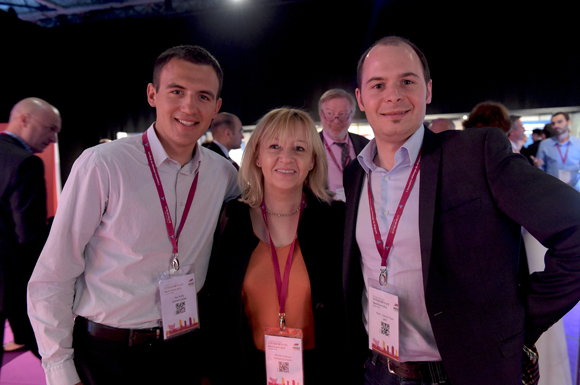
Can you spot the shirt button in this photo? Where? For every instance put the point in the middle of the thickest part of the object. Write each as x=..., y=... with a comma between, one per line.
x=387, y=177
x=386, y=212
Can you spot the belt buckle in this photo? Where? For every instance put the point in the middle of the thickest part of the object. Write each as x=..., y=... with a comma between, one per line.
x=389, y=361
x=133, y=333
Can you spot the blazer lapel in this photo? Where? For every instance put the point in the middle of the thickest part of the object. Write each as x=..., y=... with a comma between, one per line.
x=430, y=165
x=353, y=182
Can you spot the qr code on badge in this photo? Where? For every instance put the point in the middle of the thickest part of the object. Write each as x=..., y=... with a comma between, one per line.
x=385, y=328
x=283, y=367
x=180, y=308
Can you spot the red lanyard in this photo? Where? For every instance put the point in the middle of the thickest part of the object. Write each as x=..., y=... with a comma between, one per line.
x=341, y=168
x=563, y=157
x=173, y=237
x=385, y=249
x=281, y=285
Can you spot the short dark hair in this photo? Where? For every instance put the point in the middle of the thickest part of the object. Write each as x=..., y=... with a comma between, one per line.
x=223, y=120
x=190, y=53
x=566, y=115
x=397, y=41
x=537, y=131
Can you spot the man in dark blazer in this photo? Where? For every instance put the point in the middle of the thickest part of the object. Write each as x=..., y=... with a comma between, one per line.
x=32, y=126
x=336, y=108
x=227, y=132
x=464, y=317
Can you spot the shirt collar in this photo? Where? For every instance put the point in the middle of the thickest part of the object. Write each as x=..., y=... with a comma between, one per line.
x=330, y=141
x=407, y=154
x=22, y=142
x=223, y=148
x=160, y=155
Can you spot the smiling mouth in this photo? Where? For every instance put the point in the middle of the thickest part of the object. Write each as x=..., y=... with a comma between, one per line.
x=286, y=171
x=186, y=123
x=395, y=114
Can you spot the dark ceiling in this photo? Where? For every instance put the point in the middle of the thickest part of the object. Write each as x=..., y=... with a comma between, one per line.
x=93, y=58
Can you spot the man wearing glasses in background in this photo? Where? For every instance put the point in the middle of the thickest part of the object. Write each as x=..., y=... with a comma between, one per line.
x=336, y=108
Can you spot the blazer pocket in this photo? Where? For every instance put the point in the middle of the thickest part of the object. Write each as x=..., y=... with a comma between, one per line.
x=512, y=345
x=461, y=210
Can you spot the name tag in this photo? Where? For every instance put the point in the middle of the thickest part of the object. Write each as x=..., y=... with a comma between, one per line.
x=565, y=176
x=178, y=305
x=384, y=323
x=284, y=356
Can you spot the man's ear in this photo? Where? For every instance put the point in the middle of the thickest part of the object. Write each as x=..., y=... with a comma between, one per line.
x=151, y=94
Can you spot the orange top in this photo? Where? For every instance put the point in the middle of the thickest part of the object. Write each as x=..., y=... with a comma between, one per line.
x=260, y=295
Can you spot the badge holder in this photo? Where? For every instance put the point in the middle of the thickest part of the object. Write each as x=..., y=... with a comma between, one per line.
x=178, y=294
x=383, y=321
x=284, y=362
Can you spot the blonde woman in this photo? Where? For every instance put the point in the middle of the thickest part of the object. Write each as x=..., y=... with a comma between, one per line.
x=285, y=212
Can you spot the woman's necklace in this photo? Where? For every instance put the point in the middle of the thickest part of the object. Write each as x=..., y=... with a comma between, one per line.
x=284, y=215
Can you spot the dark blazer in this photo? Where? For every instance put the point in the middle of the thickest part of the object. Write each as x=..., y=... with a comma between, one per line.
x=23, y=228
x=474, y=195
x=221, y=308
x=358, y=141
x=215, y=148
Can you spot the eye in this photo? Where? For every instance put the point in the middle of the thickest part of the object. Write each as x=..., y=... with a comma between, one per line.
x=274, y=146
x=205, y=97
x=408, y=82
x=176, y=92
x=299, y=148
x=378, y=86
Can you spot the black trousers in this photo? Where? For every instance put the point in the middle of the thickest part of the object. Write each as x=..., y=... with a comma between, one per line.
x=103, y=362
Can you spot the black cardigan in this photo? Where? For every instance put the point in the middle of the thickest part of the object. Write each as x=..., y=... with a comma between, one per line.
x=320, y=234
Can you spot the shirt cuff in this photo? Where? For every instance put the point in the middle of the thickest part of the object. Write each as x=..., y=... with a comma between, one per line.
x=62, y=374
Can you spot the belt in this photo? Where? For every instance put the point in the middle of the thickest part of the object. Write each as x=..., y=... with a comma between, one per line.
x=131, y=337
x=428, y=371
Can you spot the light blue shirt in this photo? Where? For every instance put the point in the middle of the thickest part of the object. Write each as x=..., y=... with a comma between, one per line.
x=553, y=164
x=404, y=267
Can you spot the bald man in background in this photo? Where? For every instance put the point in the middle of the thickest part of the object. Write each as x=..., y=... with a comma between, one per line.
x=441, y=124
x=33, y=125
x=227, y=132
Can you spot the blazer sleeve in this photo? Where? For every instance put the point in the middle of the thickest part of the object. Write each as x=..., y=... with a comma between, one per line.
x=550, y=211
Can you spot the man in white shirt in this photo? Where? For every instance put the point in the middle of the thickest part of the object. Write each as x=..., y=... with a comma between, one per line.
x=116, y=233
x=336, y=108
x=516, y=133
x=435, y=220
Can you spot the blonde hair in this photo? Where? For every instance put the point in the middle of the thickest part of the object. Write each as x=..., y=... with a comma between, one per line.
x=282, y=123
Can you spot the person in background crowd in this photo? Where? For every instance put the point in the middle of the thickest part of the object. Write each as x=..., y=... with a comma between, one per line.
x=33, y=125
x=516, y=133
x=113, y=241
x=287, y=218
x=441, y=124
x=336, y=108
x=560, y=155
x=532, y=149
x=463, y=317
x=489, y=114
x=227, y=132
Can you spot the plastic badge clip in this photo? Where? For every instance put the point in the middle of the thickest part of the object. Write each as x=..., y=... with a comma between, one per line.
x=175, y=262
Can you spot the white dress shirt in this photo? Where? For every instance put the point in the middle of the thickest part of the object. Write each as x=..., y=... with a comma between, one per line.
x=109, y=242
x=404, y=268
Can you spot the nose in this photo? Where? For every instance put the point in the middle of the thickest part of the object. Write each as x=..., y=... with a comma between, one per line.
x=188, y=104
x=286, y=154
x=393, y=94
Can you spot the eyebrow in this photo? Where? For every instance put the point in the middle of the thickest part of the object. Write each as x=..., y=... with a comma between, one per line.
x=403, y=75
x=178, y=86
